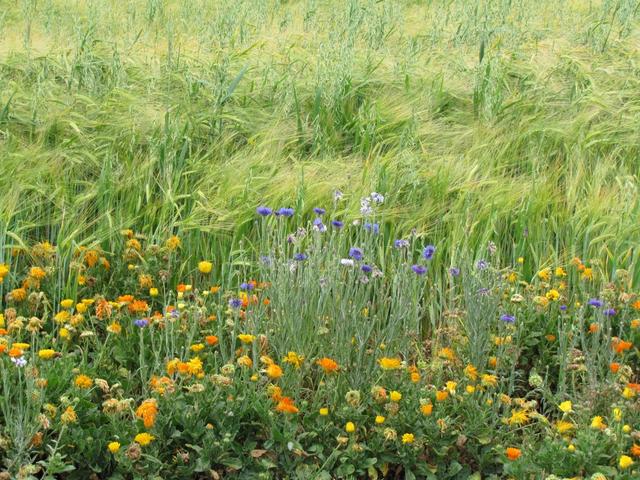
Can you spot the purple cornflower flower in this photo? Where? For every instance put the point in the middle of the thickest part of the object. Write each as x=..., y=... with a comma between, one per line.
x=246, y=286
x=610, y=312
x=401, y=243
x=356, y=253
x=377, y=197
x=264, y=211
x=318, y=225
x=366, y=268
x=506, y=318
x=454, y=271
x=337, y=223
x=428, y=252
x=285, y=212
x=419, y=269
x=372, y=227
x=141, y=322
x=19, y=362
x=235, y=303
x=300, y=257
x=319, y=211
x=595, y=302
x=563, y=308
x=482, y=265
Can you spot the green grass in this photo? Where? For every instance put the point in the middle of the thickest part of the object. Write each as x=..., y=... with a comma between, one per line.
x=511, y=121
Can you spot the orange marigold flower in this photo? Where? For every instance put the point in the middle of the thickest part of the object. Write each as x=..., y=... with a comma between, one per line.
x=447, y=353
x=211, y=340
x=593, y=327
x=37, y=273
x=273, y=371
x=442, y=395
x=286, y=405
x=621, y=345
x=513, y=453
x=147, y=411
x=18, y=294
x=635, y=450
x=103, y=309
x=614, y=367
x=138, y=306
x=328, y=365
x=83, y=381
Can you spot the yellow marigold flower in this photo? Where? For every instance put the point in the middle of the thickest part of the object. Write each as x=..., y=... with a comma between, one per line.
x=451, y=387
x=625, y=462
x=587, y=274
x=380, y=419
x=46, y=354
x=545, y=274
x=246, y=338
x=415, y=377
x=113, y=447
x=571, y=448
x=21, y=346
x=350, y=427
x=37, y=273
x=598, y=423
x=69, y=415
x=493, y=362
x=145, y=280
x=273, y=371
x=153, y=292
x=408, y=438
x=564, y=426
x=194, y=366
x=566, y=406
x=114, y=328
x=387, y=363
x=83, y=381
x=560, y=272
x=205, y=267
x=447, y=353
x=470, y=389
x=18, y=294
x=518, y=417
x=67, y=303
x=62, y=317
x=489, y=380
x=173, y=243
x=635, y=324
x=81, y=307
x=64, y=333
x=395, y=396
x=294, y=359
x=324, y=411
x=245, y=361
x=143, y=439
x=471, y=372
x=627, y=429
x=553, y=295
x=520, y=260
x=628, y=393
x=4, y=271
x=617, y=414
x=197, y=347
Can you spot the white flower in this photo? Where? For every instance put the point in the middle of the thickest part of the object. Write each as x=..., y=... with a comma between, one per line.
x=377, y=197
x=347, y=262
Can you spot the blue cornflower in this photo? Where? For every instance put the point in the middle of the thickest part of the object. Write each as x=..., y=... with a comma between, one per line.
x=265, y=259
x=264, y=211
x=246, y=286
x=366, y=268
x=372, y=227
x=428, y=252
x=595, y=302
x=337, y=223
x=454, y=271
x=563, y=308
x=610, y=312
x=141, y=322
x=319, y=211
x=356, y=253
x=300, y=257
x=419, y=269
x=285, y=212
x=401, y=243
x=235, y=303
x=318, y=225
x=482, y=265
x=506, y=318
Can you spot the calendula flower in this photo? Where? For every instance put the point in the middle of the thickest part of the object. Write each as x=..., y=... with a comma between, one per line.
x=69, y=415
x=246, y=338
x=144, y=439
x=324, y=411
x=147, y=411
x=113, y=447
x=245, y=361
x=564, y=426
x=273, y=371
x=379, y=419
x=426, y=409
x=205, y=267
x=46, y=354
x=286, y=405
x=328, y=365
x=395, y=396
x=560, y=272
x=441, y=395
x=211, y=340
x=408, y=438
x=67, y=303
x=471, y=372
x=598, y=423
x=553, y=295
x=447, y=353
x=566, y=406
x=83, y=381
x=350, y=427
x=294, y=359
x=513, y=453
x=387, y=363
x=625, y=462
x=518, y=417
x=153, y=292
